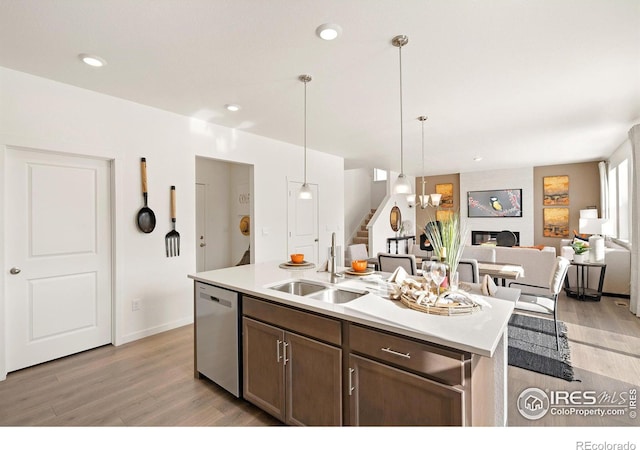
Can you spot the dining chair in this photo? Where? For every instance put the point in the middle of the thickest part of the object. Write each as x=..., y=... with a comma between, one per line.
x=544, y=299
x=358, y=252
x=468, y=270
x=388, y=262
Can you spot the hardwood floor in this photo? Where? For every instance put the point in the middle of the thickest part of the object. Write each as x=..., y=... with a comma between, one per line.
x=150, y=382
x=604, y=338
x=144, y=383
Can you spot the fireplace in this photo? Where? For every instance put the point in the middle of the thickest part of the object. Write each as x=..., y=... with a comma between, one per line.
x=488, y=237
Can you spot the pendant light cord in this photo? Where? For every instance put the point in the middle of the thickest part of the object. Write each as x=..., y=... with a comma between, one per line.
x=305, y=132
x=401, y=133
x=422, y=199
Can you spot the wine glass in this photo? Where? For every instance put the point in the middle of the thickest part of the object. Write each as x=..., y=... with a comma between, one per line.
x=426, y=266
x=438, y=274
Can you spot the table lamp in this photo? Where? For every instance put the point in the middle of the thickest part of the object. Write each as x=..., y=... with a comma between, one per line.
x=596, y=228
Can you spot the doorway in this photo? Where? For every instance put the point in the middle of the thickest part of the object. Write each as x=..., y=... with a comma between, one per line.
x=59, y=287
x=223, y=211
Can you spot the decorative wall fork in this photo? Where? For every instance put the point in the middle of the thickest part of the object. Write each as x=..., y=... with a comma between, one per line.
x=172, y=239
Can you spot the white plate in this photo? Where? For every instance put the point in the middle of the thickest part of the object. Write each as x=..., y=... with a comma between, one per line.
x=353, y=272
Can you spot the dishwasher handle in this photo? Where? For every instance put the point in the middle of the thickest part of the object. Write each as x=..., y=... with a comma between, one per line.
x=218, y=300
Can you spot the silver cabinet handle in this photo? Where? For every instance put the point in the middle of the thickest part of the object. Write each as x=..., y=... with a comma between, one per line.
x=393, y=352
x=284, y=350
x=278, y=356
x=14, y=270
x=351, y=387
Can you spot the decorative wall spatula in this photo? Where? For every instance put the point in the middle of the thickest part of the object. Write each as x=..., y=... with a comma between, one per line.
x=172, y=239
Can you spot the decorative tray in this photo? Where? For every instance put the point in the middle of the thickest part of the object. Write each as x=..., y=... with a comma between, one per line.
x=453, y=309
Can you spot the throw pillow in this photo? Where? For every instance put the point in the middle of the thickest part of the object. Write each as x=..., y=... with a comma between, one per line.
x=580, y=237
x=537, y=247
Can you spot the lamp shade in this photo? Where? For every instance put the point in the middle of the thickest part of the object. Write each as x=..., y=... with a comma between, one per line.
x=402, y=185
x=590, y=213
x=305, y=192
x=594, y=226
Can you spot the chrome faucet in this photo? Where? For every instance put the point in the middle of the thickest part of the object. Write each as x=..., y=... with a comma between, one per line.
x=333, y=260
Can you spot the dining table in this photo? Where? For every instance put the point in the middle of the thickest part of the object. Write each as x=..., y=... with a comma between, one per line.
x=500, y=272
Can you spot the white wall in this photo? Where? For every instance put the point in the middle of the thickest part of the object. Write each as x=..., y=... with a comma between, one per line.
x=380, y=225
x=42, y=114
x=357, y=198
x=500, y=179
x=378, y=193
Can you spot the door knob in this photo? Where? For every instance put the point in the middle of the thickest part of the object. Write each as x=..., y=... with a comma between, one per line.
x=202, y=244
x=14, y=271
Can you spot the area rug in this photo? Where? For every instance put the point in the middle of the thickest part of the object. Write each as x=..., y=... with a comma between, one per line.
x=532, y=346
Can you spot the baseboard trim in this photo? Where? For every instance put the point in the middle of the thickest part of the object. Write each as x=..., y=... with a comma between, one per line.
x=609, y=294
x=155, y=330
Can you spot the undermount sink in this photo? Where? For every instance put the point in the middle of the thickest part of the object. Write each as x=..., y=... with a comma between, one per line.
x=318, y=291
x=337, y=295
x=299, y=287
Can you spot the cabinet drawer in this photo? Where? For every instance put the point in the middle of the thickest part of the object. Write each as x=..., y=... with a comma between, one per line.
x=443, y=365
x=312, y=325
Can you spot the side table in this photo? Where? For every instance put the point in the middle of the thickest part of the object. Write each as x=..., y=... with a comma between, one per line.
x=397, y=240
x=581, y=291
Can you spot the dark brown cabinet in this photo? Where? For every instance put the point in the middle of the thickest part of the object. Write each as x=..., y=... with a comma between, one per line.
x=399, y=381
x=263, y=367
x=295, y=378
x=309, y=369
x=383, y=395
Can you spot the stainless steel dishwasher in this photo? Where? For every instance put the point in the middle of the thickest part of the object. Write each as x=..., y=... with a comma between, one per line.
x=217, y=349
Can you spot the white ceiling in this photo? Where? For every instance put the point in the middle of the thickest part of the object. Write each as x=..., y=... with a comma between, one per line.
x=517, y=82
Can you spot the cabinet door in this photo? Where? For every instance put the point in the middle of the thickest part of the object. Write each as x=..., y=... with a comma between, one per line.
x=383, y=395
x=313, y=382
x=263, y=383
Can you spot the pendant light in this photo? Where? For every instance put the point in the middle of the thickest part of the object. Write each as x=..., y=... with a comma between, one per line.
x=423, y=201
x=402, y=185
x=305, y=191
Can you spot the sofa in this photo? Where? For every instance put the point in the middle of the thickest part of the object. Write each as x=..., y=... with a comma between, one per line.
x=617, y=278
x=537, y=263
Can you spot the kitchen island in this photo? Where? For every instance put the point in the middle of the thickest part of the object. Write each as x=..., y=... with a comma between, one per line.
x=459, y=363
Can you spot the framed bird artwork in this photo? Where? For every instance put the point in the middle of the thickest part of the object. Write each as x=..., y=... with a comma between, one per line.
x=496, y=203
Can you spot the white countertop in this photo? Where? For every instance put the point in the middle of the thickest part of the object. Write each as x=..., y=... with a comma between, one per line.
x=477, y=333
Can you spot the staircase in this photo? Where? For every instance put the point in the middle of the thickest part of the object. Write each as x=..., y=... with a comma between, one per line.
x=362, y=236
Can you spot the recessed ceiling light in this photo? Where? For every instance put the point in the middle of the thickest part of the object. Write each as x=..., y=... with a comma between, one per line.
x=477, y=158
x=92, y=60
x=328, y=31
x=232, y=107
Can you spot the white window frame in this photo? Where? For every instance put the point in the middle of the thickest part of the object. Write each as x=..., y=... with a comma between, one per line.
x=619, y=179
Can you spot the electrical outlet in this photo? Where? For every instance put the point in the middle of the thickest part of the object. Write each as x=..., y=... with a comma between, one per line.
x=135, y=305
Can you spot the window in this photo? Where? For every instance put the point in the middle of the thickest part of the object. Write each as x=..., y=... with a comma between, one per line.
x=619, y=195
x=379, y=175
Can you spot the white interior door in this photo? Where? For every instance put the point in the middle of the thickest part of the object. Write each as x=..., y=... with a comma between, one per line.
x=303, y=223
x=59, y=250
x=201, y=226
